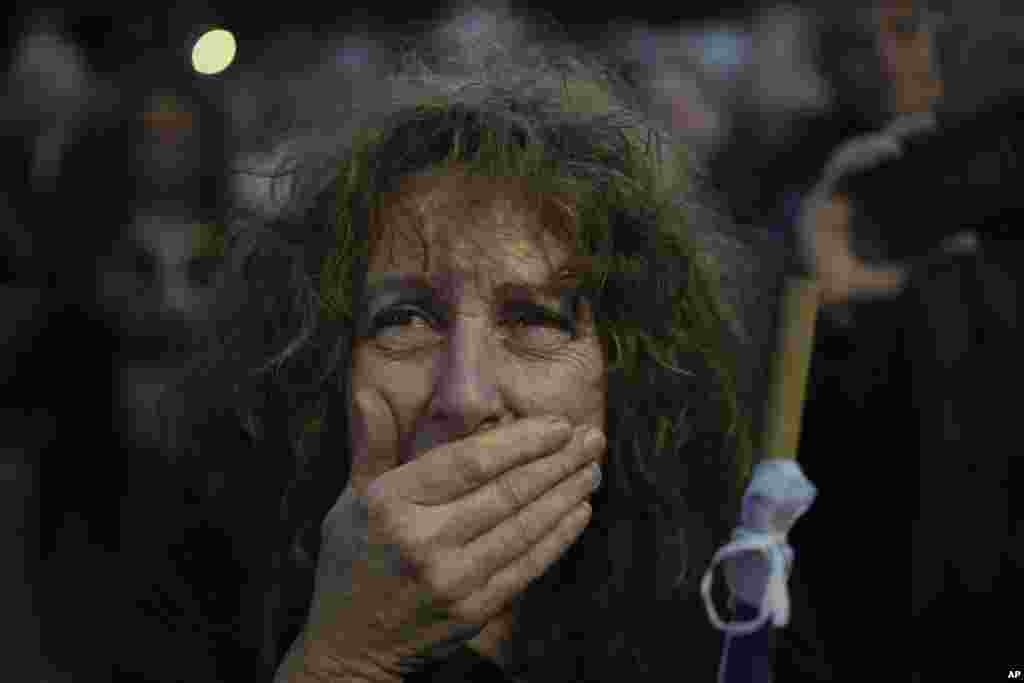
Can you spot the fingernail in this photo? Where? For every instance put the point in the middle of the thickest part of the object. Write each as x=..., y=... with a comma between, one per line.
x=595, y=471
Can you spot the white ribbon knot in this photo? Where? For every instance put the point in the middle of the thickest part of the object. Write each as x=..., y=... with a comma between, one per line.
x=758, y=560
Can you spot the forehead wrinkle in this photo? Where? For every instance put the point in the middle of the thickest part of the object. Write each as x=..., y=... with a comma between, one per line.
x=492, y=231
x=460, y=285
x=504, y=237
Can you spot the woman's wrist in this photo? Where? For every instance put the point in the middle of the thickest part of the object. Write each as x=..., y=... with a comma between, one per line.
x=308, y=662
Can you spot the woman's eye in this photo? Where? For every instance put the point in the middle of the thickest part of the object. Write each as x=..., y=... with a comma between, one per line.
x=539, y=316
x=539, y=326
x=404, y=327
x=400, y=316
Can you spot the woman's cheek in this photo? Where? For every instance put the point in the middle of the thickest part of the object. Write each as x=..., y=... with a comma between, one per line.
x=406, y=384
x=572, y=385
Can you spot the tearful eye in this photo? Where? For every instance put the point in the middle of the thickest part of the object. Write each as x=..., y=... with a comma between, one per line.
x=403, y=327
x=539, y=317
x=399, y=316
x=537, y=326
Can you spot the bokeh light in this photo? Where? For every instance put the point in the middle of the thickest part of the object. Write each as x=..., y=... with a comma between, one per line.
x=214, y=51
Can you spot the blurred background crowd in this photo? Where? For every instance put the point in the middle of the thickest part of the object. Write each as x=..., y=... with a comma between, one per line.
x=127, y=133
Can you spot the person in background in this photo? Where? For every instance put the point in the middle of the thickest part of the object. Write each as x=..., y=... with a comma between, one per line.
x=922, y=218
x=143, y=166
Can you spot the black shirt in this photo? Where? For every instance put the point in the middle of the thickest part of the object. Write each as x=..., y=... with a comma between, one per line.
x=463, y=665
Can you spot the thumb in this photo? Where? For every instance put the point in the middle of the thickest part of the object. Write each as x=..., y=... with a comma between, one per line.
x=374, y=438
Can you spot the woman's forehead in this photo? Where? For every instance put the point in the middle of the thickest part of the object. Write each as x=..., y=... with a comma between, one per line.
x=464, y=223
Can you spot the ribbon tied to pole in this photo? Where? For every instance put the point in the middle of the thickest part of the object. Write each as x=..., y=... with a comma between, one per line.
x=758, y=560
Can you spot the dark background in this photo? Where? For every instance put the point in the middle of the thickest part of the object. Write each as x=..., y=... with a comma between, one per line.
x=115, y=31
x=860, y=407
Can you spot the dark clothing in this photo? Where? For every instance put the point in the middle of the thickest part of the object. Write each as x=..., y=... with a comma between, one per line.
x=968, y=553
x=915, y=389
x=748, y=661
x=859, y=431
x=463, y=665
x=965, y=176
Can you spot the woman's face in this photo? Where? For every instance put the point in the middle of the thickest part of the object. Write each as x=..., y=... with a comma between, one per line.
x=479, y=331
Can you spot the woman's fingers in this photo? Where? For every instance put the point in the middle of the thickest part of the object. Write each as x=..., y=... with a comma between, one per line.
x=485, y=514
x=508, y=495
x=516, y=536
x=374, y=438
x=451, y=471
x=511, y=581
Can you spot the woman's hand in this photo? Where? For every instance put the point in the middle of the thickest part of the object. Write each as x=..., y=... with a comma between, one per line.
x=417, y=558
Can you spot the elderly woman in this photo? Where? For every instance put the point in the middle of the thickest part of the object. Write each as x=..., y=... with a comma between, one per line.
x=481, y=346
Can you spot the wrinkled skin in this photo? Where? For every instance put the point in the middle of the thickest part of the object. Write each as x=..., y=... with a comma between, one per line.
x=462, y=490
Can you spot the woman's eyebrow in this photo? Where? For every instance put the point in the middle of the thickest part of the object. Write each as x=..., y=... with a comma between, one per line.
x=387, y=289
x=378, y=286
x=391, y=285
x=564, y=282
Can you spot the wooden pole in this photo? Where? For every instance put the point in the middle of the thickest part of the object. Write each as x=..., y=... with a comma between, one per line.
x=790, y=368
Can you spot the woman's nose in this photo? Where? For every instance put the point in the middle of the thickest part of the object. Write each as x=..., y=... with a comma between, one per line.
x=467, y=395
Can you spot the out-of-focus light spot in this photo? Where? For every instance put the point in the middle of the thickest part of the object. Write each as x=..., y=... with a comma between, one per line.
x=722, y=50
x=214, y=51
x=647, y=48
x=474, y=25
x=51, y=61
x=353, y=57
